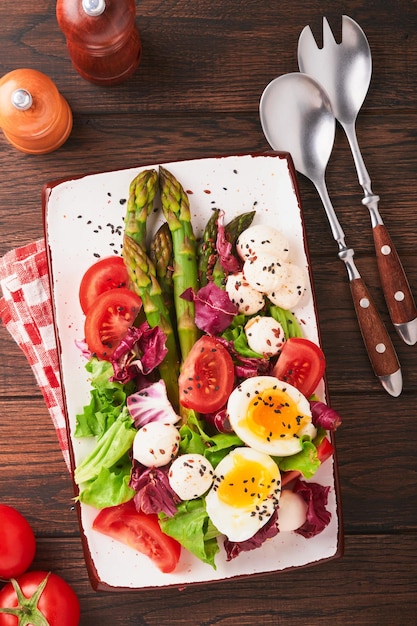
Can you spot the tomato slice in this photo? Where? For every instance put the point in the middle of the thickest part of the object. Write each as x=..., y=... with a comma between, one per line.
x=207, y=376
x=107, y=273
x=301, y=364
x=108, y=320
x=141, y=532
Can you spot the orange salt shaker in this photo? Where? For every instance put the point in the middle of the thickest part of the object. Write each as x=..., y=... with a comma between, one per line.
x=34, y=116
x=102, y=38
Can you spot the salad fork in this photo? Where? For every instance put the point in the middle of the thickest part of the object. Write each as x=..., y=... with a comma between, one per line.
x=344, y=70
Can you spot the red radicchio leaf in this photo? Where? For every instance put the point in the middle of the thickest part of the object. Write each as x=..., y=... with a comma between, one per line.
x=246, y=366
x=228, y=261
x=269, y=530
x=214, y=310
x=83, y=347
x=318, y=517
x=324, y=417
x=153, y=491
x=151, y=404
x=141, y=350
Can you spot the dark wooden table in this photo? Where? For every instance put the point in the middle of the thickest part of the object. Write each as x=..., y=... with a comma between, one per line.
x=196, y=94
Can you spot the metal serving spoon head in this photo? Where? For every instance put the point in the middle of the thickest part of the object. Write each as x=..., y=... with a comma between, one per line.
x=296, y=117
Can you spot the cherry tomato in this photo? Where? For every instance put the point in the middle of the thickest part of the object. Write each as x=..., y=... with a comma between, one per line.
x=141, y=532
x=17, y=543
x=325, y=450
x=108, y=320
x=207, y=376
x=301, y=364
x=107, y=273
x=57, y=602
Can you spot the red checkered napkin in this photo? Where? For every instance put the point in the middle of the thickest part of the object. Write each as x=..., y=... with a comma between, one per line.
x=26, y=312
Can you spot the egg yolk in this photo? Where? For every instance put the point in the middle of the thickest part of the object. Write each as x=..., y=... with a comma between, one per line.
x=247, y=483
x=272, y=414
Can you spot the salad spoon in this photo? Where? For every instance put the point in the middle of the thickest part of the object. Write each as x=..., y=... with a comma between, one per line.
x=344, y=70
x=296, y=117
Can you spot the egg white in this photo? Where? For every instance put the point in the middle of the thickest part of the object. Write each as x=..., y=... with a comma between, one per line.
x=276, y=439
x=245, y=493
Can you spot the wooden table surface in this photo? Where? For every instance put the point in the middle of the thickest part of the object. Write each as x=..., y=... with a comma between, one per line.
x=196, y=94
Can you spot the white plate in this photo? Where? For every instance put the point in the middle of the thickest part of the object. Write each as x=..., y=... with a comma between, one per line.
x=83, y=221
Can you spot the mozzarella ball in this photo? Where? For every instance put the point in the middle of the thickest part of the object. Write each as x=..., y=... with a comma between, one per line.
x=190, y=476
x=290, y=291
x=292, y=512
x=264, y=335
x=270, y=415
x=262, y=239
x=156, y=444
x=245, y=493
x=247, y=299
x=265, y=273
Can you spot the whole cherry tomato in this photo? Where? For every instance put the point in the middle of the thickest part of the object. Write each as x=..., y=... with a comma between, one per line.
x=17, y=543
x=39, y=598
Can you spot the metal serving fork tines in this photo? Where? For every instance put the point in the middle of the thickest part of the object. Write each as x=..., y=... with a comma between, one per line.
x=344, y=71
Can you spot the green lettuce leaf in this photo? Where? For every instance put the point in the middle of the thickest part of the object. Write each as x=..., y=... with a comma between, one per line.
x=236, y=333
x=109, y=449
x=107, y=399
x=193, y=529
x=306, y=461
x=194, y=439
x=110, y=487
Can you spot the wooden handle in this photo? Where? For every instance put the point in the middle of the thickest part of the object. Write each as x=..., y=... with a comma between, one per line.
x=375, y=336
x=398, y=296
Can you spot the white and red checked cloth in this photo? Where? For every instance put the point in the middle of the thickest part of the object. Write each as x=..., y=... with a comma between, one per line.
x=26, y=312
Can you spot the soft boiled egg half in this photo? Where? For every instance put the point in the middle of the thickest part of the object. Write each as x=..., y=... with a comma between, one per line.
x=270, y=415
x=245, y=493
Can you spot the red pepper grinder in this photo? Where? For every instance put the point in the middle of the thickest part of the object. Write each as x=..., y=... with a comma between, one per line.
x=34, y=116
x=102, y=38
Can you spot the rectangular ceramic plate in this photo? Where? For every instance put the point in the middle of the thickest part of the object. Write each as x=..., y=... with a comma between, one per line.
x=84, y=221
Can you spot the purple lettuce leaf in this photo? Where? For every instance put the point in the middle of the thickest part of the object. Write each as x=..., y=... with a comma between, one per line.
x=229, y=262
x=153, y=491
x=247, y=366
x=214, y=311
x=324, y=417
x=318, y=517
x=140, y=352
x=269, y=530
x=151, y=404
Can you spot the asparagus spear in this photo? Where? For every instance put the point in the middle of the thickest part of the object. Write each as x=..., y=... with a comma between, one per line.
x=206, y=252
x=142, y=277
x=161, y=255
x=176, y=209
x=142, y=192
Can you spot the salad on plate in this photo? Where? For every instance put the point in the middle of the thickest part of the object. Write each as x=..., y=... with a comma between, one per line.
x=208, y=433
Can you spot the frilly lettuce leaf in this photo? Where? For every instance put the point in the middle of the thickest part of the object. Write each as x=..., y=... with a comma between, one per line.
x=195, y=440
x=193, y=529
x=107, y=399
x=110, y=487
x=109, y=449
x=306, y=461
